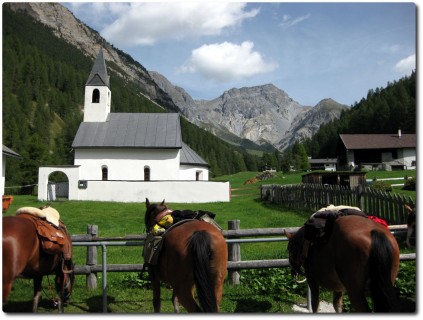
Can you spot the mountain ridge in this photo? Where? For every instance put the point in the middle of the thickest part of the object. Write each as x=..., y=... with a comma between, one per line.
x=264, y=114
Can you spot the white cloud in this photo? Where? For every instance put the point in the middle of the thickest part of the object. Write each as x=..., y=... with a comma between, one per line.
x=288, y=21
x=226, y=61
x=406, y=65
x=147, y=23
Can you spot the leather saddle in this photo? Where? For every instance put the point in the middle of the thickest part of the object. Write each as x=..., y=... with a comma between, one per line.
x=54, y=239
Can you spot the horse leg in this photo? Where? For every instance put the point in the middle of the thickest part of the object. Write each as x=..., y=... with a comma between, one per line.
x=337, y=301
x=157, y=304
x=186, y=298
x=37, y=293
x=175, y=302
x=7, y=284
x=314, y=289
x=358, y=301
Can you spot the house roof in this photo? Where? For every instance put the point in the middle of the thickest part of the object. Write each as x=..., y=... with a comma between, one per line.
x=131, y=130
x=326, y=161
x=378, y=141
x=98, y=75
x=189, y=156
x=10, y=153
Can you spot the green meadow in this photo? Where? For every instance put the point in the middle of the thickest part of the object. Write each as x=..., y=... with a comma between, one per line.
x=261, y=291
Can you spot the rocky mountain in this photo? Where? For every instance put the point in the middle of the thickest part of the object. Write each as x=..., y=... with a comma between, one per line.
x=307, y=124
x=263, y=114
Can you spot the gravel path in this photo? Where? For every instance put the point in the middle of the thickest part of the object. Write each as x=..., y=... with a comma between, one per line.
x=324, y=307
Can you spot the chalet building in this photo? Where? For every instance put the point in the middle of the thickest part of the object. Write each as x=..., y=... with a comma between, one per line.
x=328, y=164
x=378, y=151
x=128, y=157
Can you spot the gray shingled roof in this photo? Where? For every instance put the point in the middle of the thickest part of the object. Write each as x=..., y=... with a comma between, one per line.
x=98, y=75
x=10, y=153
x=378, y=141
x=131, y=130
x=189, y=156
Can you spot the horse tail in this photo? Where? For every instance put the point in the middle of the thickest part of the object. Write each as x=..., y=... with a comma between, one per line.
x=380, y=266
x=200, y=249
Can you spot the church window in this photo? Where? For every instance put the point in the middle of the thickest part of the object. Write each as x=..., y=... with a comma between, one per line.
x=96, y=96
x=104, y=173
x=146, y=173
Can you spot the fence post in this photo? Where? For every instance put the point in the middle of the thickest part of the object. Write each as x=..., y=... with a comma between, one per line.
x=92, y=230
x=234, y=253
x=360, y=199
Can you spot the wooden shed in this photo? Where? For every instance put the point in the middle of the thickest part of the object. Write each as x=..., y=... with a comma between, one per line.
x=347, y=178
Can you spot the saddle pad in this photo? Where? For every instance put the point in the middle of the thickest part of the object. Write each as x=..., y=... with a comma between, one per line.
x=49, y=213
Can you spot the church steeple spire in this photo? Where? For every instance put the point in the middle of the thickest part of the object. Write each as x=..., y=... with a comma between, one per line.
x=97, y=92
x=98, y=75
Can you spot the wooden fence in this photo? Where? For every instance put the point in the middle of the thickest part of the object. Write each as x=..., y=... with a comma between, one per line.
x=234, y=237
x=385, y=205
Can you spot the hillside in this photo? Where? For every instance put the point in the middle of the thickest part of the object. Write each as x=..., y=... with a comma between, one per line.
x=43, y=90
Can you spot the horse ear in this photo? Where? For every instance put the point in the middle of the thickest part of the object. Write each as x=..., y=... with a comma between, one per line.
x=147, y=202
x=163, y=202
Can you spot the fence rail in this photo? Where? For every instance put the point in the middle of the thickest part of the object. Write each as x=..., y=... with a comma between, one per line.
x=315, y=196
x=233, y=238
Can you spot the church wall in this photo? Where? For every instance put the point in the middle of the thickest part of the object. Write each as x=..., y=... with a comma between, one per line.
x=189, y=172
x=128, y=164
x=156, y=191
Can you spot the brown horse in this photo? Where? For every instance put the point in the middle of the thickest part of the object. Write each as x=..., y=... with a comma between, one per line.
x=194, y=255
x=358, y=254
x=23, y=256
x=411, y=226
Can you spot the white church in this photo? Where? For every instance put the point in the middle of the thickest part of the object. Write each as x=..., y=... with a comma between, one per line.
x=127, y=157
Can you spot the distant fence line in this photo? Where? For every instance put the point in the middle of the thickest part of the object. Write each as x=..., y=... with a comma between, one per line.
x=385, y=205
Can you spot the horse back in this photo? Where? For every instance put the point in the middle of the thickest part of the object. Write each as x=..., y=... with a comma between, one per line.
x=20, y=245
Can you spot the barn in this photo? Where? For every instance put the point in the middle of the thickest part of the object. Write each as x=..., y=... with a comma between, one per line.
x=378, y=151
x=128, y=157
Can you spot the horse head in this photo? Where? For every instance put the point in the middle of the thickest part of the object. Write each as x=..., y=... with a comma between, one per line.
x=296, y=254
x=65, y=277
x=411, y=225
x=152, y=211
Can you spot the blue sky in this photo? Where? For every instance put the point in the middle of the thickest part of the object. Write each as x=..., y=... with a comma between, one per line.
x=312, y=51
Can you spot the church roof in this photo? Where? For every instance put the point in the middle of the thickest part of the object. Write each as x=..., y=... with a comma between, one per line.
x=131, y=130
x=189, y=156
x=98, y=75
x=10, y=153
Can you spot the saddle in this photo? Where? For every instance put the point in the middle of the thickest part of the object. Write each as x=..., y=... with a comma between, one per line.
x=51, y=231
x=320, y=225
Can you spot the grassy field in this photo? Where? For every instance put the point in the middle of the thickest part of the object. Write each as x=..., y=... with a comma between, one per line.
x=261, y=291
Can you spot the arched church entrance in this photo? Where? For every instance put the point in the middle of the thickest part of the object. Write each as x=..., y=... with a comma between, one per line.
x=58, y=186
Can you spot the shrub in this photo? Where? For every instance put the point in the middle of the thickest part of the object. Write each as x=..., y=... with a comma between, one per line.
x=410, y=184
x=382, y=186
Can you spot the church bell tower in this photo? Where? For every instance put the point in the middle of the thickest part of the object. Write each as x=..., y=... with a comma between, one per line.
x=98, y=96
